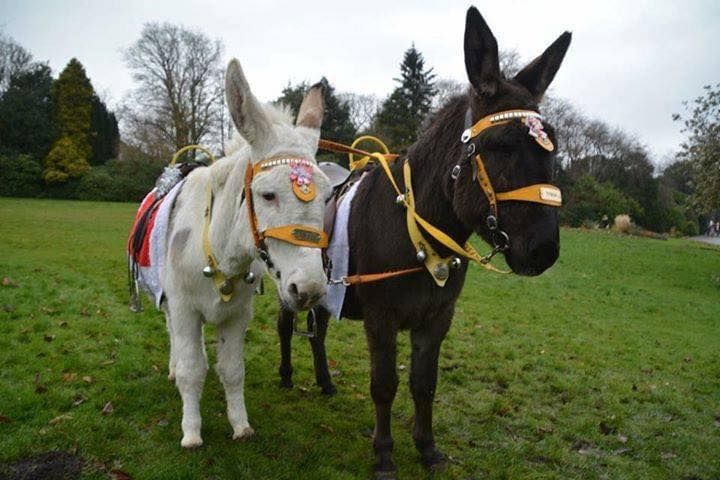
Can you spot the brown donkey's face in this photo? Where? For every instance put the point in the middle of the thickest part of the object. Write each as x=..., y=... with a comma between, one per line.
x=511, y=156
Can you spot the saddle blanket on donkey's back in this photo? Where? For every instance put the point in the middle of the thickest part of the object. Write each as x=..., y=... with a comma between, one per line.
x=147, y=242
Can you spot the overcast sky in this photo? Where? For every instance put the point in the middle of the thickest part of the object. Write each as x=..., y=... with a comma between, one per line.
x=631, y=63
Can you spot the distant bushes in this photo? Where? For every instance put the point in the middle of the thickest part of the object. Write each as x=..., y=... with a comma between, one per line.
x=588, y=199
x=126, y=180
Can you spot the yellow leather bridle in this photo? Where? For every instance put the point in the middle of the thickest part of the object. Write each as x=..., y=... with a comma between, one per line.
x=300, y=235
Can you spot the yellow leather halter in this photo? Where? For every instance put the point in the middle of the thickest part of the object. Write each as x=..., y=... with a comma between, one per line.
x=300, y=235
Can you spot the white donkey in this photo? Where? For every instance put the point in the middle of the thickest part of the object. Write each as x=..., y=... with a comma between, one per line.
x=263, y=203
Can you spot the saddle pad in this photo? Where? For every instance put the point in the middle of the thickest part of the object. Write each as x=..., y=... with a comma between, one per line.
x=338, y=252
x=151, y=257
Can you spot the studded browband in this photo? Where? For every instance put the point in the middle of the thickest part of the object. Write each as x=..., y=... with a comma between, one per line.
x=300, y=235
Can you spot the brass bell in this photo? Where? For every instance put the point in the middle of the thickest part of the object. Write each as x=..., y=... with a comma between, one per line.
x=208, y=271
x=455, y=262
x=442, y=272
x=249, y=278
x=227, y=287
x=421, y=255
x=400, y=199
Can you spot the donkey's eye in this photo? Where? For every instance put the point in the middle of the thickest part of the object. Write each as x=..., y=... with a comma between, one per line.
x=269, y=196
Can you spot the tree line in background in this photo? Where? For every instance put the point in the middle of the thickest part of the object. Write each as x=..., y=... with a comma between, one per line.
x=58, y=139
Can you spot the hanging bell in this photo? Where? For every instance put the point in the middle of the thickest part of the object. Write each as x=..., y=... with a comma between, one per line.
x=400, y=199
x=208, y=271
x=249, y=278
x=227, y=287
x=455, y=262
x=442, y=272
x=421, y=255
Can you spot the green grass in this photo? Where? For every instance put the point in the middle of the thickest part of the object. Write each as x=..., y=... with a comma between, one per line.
x=607, y=366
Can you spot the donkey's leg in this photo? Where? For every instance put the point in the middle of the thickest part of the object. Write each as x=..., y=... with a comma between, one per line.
x=426, y=340
x=285, y=332
x=381, y=336
x=190, y=371
x=172, y=362
x=322, y=375
x=231, y=370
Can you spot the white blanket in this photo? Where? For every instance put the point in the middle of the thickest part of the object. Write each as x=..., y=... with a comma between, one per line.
x=338, y=251
x=149, y=277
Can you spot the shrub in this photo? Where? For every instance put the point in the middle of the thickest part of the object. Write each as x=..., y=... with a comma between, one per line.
x=589, y=200
x=20, y=176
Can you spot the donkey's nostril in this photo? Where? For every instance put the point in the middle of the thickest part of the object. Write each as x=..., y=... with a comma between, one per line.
x=293, y=289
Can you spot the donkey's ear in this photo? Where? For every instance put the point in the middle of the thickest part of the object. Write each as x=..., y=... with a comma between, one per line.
x=247, y=113
x=537, y=76
x=311, y=110
x=481, y=54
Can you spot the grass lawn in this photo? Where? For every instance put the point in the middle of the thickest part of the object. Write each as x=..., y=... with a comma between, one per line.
x=606, y=366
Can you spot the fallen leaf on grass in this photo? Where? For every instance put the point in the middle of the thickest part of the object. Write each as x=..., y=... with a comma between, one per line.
x=401, y=367
x=69, y=377
x=359, y=396
x=87, y=379
x=48, y=338
x=108, y=362
x=327, y=428
x=4, y=419
x=332, y=363
x=667, y=455
x=25, y=330
x=544, y=430
x=335, y=373
x=117, y=474
x=7, y=282
x=63, y=324
x=622, y=438
x=60, y=418
x=108, y=408
x=79, y=400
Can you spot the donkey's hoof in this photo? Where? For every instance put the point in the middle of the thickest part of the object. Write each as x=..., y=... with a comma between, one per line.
x=328, y=389
x=191, y=441
x=171, y=376
x=244, y=434
x=385, y=474
x=286, y=383
x=435, y=461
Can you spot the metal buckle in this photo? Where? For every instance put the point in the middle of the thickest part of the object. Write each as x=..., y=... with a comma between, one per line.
x=501, y=241
x=466, y=135
x=470, y=150
x=492, y=222
x=455, y=172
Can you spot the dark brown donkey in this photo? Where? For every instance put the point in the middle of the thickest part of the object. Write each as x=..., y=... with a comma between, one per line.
x=448, y=195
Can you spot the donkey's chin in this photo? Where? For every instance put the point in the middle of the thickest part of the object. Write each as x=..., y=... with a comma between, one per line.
x=534, y=263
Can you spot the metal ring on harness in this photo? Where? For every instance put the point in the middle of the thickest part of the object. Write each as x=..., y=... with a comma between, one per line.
x=187, y=148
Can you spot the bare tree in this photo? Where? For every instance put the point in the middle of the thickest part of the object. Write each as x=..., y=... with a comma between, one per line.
x=13, y=59
x=446, y=89
x=179, y=97
x=363, y=109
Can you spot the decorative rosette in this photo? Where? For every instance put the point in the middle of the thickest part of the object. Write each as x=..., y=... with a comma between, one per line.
x=537, y=131
x=301, y=176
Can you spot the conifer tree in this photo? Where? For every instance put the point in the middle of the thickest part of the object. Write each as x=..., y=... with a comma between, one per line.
x=72, y=96
x=26, y=124
x=404, y=110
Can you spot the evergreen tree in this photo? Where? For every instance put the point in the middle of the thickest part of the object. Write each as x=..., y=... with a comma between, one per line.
x=26, y=124
x=336, y=126
x=104, y=133
x=405, y=109
x=72, y=96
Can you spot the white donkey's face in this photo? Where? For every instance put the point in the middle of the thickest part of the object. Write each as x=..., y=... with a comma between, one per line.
x=297, y=271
